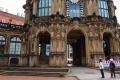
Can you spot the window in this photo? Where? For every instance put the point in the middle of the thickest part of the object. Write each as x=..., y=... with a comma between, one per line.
x=74, y=9
x=3, y=21
x=2, y=44
x=44, y=7
x=15, y=45
x=103, y=8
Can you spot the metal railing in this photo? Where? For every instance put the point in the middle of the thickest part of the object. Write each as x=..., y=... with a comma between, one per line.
x=11, y=26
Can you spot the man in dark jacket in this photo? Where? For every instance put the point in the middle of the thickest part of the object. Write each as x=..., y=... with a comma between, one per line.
x=112, y=68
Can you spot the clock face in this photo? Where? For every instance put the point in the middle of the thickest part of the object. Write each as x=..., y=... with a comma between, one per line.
x=74, y=1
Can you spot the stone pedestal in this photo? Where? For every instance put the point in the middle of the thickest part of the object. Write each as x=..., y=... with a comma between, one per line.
x=57, y=60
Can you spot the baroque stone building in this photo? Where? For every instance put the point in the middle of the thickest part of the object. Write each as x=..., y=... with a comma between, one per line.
x=10, y=43
x=76, y=32
x=11, y=35
x=62, y=32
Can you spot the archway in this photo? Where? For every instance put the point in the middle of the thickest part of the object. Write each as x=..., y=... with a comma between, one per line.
x=14, y=61
x=76, y=51
x=44, y=47
x=107, y=44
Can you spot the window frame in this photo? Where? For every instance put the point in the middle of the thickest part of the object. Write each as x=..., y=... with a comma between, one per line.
x=74, y=9
x=15, y=45
x=44, y=7
x=103, y=8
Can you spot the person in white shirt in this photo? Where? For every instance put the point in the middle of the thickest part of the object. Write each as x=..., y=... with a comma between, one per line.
x=101, y=67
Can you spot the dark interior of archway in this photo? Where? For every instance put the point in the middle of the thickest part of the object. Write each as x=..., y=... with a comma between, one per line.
x=44, y=43
x=77, y=40
x=106, y=45
x=14, y=61
x=2, y=47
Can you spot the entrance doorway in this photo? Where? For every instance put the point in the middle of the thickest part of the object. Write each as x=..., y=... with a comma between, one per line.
x=44, y=47
x=76, y=54
x=14, y=61
x=106, y=44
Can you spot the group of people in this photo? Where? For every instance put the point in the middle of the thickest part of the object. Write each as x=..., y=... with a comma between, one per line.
x=111, y=68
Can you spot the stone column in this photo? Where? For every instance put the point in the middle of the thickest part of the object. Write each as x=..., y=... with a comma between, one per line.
x=23, y=59
x=113, y=45
x=63, y=7
x=95, y=48
x=58, y=54
x=58, y=6
x=54, y=6
x=7, y=44
x=35, y=7
x=33, y=59
x=27, y=14
x=112, y=8
x=7, y=50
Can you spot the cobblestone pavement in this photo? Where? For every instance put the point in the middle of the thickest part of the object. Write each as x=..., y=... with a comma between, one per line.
x=35, y=78
x=83, y=73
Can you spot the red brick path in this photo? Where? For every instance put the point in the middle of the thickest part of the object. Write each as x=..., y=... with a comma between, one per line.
x=35, y=78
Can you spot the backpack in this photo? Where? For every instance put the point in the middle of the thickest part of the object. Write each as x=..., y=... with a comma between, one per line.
x=112, y=65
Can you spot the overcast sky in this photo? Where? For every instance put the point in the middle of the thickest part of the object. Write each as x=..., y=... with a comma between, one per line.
x=15, y=6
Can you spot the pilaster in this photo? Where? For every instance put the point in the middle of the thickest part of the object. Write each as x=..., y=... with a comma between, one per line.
x=35, y=7
x=58, y=54
x=91, y=7
x=112, y=8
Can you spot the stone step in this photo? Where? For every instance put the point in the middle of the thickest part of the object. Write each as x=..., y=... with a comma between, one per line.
x=34, y=71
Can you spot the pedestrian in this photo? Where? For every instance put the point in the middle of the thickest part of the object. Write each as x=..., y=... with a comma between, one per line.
x=101, y=67
x=112, y=68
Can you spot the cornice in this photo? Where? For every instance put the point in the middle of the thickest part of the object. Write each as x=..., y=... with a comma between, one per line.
x=66, y=20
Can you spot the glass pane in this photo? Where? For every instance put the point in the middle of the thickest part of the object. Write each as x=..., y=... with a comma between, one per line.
x=74, y=9
x=40, y=2
x=40, y=12
x=43, y=3
x=15, y=45
x=50, y=3
x=47, y=49
x=18, y=39
x=45, y=9
x=13, y=39
x=47, y=3
x=103, y=8
x=2, y=38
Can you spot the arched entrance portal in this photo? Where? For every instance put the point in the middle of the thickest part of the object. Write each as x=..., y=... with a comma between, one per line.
x=76, y=48
x=44, y=47
x=14, y=61
x=106, y=44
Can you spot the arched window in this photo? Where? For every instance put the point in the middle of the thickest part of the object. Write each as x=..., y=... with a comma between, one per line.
x=15, y=45
x=2, y=44
x=103, y=8
x=44, y=7
x=74, y=9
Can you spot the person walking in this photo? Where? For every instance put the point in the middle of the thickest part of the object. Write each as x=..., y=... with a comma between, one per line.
x=112, y=68
x=101, y=67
